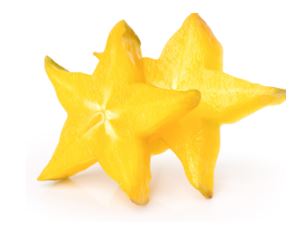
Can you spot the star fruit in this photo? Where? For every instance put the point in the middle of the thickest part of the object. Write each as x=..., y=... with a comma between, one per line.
x=111, y=114
x=192, y=59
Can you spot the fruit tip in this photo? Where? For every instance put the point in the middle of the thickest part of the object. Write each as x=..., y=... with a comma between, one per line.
x=47, y=59
x=49, y=62
x=122, y=24
x=138, y=196
x=44, y=175
x=281, y=92
x=140, y=202
x=279, y=95
x=41, y=177
x=206, y=193
x=193, y=17
x=123, y=30
x=98, y=55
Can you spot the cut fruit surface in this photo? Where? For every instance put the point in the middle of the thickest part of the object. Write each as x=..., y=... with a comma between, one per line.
x=112, y=114
x=132, y=107
x=192, y=59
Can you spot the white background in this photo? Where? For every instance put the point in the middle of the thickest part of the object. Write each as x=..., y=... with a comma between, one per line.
x=258, y=175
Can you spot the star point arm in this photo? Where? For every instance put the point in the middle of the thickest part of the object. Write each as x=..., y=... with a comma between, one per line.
x=73, y=153
x=71, y=87
x=194, y=44
x=227, y=99
x=127, y=161
x=121, y=58
x=196, y=144
x=148, y=108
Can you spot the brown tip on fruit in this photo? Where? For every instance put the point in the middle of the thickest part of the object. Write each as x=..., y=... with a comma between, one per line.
x=140, y=202
x=279, y=95
x=98, y=55
x=206, y=193
x=51, y=64
x=47, y=60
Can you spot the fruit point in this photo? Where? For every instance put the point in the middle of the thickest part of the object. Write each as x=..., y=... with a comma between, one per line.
x=132, y=107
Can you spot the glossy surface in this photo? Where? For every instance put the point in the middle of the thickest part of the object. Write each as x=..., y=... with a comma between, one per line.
x=111, y=114
x=192, y=59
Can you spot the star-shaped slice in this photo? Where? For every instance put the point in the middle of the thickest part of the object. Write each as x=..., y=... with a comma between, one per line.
x=111, y=114
x=192, y=59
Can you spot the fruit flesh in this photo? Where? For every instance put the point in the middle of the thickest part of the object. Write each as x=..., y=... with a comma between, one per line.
x=192, y=59
x=200, y=50
x=111, y=114
x=118, y=121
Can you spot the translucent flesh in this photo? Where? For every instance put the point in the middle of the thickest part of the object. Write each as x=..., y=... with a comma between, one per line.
x=111, y=114
x=192, y=59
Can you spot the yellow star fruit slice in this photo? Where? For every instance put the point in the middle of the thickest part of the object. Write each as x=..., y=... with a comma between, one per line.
x=111, y=114
x=192, y=59
x=204, y=51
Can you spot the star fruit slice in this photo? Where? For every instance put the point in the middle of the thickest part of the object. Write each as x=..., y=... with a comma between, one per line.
x=205, y=51
x=111, y=114
x=192, y=59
